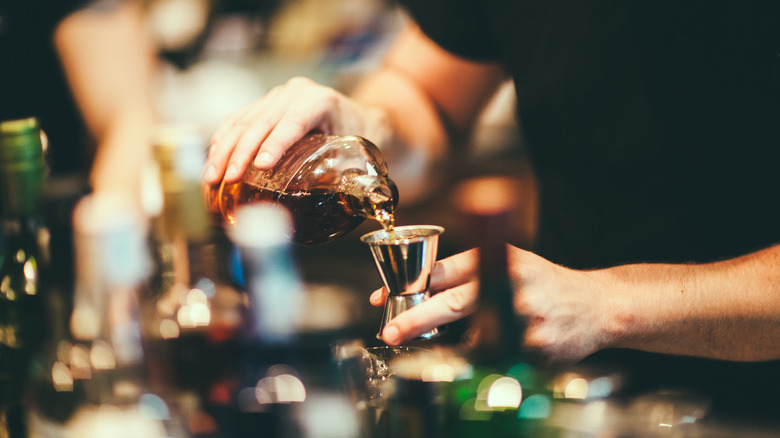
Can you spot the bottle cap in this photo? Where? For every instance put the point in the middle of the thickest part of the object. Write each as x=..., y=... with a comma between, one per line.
x=20, y=141
x=22, y=166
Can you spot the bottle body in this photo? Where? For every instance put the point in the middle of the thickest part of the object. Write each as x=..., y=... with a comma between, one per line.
x=504, y=395
x=22, y=246
x=330, y=184
x=192, y=312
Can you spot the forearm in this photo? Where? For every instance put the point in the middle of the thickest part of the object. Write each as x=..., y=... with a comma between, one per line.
x=407, y=128
x=726, y=310
x=109, y=61
x=428, y=99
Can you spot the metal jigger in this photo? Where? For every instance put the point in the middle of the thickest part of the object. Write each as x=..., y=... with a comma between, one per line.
x=405, y=264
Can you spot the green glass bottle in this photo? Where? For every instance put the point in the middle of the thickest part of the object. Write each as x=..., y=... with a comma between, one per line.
x=22, y=173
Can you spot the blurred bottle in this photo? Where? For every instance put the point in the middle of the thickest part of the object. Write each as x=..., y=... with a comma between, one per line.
x=330, y=184
x=290, y=386
x=193, y=312
x=22, y=308
x=52, y=398
x=106, y=360
x=505, y=395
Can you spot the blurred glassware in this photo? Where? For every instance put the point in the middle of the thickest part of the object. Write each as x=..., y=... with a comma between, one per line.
x=193, y=311
x=289, y=383
x=329, y=185
x=106, y=361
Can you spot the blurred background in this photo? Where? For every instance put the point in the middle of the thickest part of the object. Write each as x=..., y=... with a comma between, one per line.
x=219, y=55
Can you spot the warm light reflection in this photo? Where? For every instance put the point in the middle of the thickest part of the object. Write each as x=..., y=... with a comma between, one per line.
x=30, y=274
x=194, y=315
x=84, y=322
x=284, y=388
x=102, y=356
x=5, y=288
x=169, y=329
x=504, y=392
x=79, y=362
x=196, y=296
x=20, y=256
x=438, y=373
x=63, y=351
x=576, y=389
x=61, y=377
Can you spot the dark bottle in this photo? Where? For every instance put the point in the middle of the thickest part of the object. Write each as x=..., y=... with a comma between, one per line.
x=22, y=322
x=272, y=389
x=505, y=395
x=52, y=397
x=193, y=313
x=330, y=184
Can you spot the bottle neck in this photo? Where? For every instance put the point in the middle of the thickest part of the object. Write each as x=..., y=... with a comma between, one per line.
x=368, y=195
x=501, y=330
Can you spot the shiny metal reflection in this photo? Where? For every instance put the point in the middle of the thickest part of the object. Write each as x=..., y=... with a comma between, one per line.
x=405, y=261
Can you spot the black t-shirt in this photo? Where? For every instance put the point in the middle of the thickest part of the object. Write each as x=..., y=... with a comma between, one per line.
x=32, y=81
x=653, y=128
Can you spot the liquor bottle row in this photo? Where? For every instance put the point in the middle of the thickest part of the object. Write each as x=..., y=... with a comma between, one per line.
x=118, y=323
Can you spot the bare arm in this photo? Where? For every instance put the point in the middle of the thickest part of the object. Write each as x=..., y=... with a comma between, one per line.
x=724, y=310
x=109, y=61
x=435, y=101
x=419, y=100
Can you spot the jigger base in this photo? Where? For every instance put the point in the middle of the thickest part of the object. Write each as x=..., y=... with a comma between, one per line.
x=396, y=304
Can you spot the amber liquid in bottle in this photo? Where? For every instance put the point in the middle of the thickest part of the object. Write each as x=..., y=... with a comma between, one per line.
x=319, y=215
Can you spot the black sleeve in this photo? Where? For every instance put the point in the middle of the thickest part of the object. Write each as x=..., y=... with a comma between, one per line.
x=459, y=26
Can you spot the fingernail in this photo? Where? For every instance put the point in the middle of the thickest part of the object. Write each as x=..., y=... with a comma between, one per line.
x=231, y=172
x=211, y=174
x=375, y=296
x=263, y=159
x=390, y=335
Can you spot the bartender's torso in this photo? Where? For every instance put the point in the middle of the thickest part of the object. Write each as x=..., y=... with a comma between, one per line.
x=654, y=131
x=652, y=124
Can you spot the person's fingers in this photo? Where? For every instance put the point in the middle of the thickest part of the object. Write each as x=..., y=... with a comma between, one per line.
x=442, y=308
x=454, y=270
x=309, y=110
x=378, y=297
x=221, y=147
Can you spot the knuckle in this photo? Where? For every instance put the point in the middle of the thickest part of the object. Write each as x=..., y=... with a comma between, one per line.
x=299, y=81
x=456, y=301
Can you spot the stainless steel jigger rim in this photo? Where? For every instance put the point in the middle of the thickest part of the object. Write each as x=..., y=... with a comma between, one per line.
x=380, y=236
x=401, y=300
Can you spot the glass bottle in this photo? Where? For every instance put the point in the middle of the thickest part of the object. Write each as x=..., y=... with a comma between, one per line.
x=22, y=322
x=106, y=360
x=504, y=394
x=52, y=398
x=329, y=183
x=272, y=387
x=194, y=312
